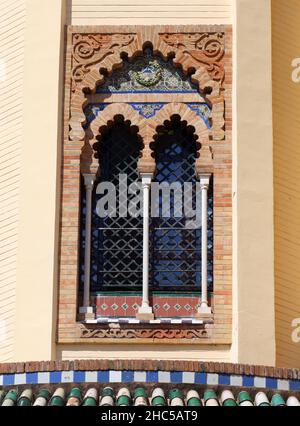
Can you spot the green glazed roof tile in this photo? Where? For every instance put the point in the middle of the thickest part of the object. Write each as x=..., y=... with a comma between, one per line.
x=120, y=395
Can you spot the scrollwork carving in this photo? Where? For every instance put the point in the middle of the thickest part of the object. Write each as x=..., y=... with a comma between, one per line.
x=90, y=49
x=203, y=51
x=205, y=48
x=166, y=333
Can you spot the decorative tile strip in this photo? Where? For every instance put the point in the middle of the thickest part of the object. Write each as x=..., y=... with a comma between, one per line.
x=148, y=110
x=146, y=376
x=282, y=375
x=103, y=320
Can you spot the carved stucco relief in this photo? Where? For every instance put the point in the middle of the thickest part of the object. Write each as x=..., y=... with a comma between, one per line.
x=201, y=52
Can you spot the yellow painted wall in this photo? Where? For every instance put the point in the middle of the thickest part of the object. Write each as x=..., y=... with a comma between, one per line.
x=253, y=231
x=286, y=109
x=37, y=115
x=12, y=25
x=140, y=12
x=40, y=177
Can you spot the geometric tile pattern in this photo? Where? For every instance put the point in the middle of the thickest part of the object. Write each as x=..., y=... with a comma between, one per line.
x=158, y=377
x=109, y=320
x=164, y=306
x=148, y=110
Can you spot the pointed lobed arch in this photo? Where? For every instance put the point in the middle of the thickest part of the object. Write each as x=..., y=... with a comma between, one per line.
x=88, y=162
x=204, y=153
x=147, y=129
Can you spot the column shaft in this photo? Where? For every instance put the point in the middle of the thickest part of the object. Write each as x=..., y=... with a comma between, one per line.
x=89, y=180
x=145, y=311
x=204, y=309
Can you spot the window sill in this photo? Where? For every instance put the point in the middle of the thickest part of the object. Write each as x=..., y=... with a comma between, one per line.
x=155, y=321
x=183, y=330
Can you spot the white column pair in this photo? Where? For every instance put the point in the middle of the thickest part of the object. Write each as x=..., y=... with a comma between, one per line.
x=145, y=311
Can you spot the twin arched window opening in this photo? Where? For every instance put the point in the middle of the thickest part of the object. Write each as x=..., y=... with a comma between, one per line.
x=174, y=232
x=175, y=245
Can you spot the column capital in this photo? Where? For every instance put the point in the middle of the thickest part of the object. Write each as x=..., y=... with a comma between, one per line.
x=89, y=180
x=204, y=179
x=146, y=178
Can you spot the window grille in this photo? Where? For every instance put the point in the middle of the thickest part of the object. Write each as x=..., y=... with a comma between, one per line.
x=117, y=242
x=175, y=242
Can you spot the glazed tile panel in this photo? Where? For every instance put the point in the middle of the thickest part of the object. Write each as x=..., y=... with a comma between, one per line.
x=158, y=377
x=119, y=306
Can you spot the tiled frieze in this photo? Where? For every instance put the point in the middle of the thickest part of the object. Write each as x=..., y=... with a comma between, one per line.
x=164, y=306
x=143, y=371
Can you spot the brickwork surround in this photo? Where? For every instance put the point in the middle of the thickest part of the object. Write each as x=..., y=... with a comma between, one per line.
x=204, y=50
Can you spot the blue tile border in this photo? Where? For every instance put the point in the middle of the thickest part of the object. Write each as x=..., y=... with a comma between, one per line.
x=130, y=376
x=200, y=378
x=127, y=376
x=224, y=379
x=8, y=379
x=55, y=376
x=176, y=377
x=31, y=378
x=103, y=377
x=248, y=381
x=271, y=383
x=294, y=385
x=92, y=110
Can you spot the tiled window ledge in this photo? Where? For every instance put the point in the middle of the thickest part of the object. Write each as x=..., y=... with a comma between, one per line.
x=106, y=320
x=185, y=330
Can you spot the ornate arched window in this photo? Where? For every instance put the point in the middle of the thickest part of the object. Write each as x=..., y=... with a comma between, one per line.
x=172, y=252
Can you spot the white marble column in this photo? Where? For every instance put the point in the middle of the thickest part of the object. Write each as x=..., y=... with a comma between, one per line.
x=145, y=311
x=87, y=309
x=204, y=309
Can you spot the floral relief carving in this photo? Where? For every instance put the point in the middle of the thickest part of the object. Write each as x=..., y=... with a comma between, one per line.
x=169, y=333
x=90, y=49
x=203, y=51
x=204, y=48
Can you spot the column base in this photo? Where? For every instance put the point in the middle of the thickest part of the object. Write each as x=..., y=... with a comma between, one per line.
x=145, y=313
x=204, y=312
x=86, y=313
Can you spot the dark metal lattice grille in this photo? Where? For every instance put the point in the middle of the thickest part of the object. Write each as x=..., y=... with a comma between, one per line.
x=116, y=252
x=175, y=248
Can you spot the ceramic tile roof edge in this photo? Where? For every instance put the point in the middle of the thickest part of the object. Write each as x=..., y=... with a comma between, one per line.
x=162, y=378
x=150, y=365
x=142, y=395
